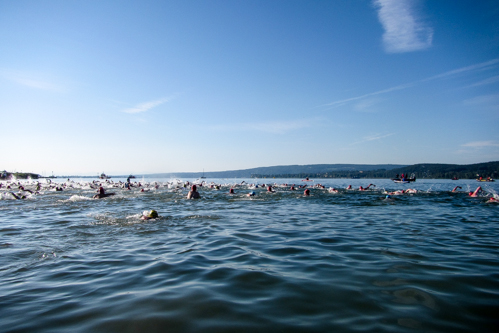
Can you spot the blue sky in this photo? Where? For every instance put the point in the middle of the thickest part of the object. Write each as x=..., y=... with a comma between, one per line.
x=170, y=86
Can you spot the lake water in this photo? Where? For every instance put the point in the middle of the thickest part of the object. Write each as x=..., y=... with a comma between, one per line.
x=352, y=261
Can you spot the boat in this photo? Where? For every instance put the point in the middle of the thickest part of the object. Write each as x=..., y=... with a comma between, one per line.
x=485, y=180
x=405, y=180
x=203, y=177
x=104, y=176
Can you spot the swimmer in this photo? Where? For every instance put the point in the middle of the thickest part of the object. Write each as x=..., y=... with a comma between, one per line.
x=332, y=190
x=493, y=199
x=410, y=191
x=399, y=192
x=147, y=215
x=251, y=194
x=193, y=193
x=18, y=197
x=102, y=193
x=231, y=191
x=475, y=194
x=455, y=188
x=366, y=188
x=349, y=187
x=269, y=189
x=306, y=192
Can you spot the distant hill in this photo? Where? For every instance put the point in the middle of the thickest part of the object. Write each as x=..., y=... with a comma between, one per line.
x=425, y=170
x=295, y=170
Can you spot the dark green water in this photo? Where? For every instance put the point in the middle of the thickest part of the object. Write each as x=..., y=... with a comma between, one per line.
x=277, y=262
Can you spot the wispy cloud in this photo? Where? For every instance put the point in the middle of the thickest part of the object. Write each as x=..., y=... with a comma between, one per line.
x=272, y=127
x=143, y=107
x=490, y=80
x=484, y=100
x=487, y=65
x=404, y=30
x=373, y=137
x=379, y=92
x=279, y=127
x=31, y=80
x=481, y=144
x=472, y=68
x=367, y=104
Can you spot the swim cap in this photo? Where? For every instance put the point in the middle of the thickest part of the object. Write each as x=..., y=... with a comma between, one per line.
x=193, y=187
x=388, y=196
x=153, y=214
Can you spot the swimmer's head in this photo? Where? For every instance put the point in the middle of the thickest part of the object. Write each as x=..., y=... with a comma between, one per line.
x=231, y=191
x=306, y=192
x=193, y=187
x=388, y=196
x=150, y=214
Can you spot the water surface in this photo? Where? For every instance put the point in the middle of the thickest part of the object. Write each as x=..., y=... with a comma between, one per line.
x=352, y=261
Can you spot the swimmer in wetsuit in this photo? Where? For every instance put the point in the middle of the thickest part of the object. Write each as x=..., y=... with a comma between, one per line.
x=193, y=193
x=102, y=193
x=18, y=197
x=455, y=189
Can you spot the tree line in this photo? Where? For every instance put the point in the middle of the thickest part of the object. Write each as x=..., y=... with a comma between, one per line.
x=426, y=170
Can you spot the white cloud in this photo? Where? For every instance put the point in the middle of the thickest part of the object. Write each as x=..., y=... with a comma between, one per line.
x=404, y=32
x=143, y=107
x=481, y=144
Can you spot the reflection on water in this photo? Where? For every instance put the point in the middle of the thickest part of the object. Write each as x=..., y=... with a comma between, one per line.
x=348, y=261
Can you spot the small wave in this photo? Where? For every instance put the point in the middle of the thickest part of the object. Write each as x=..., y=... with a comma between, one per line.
x=76, y=197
